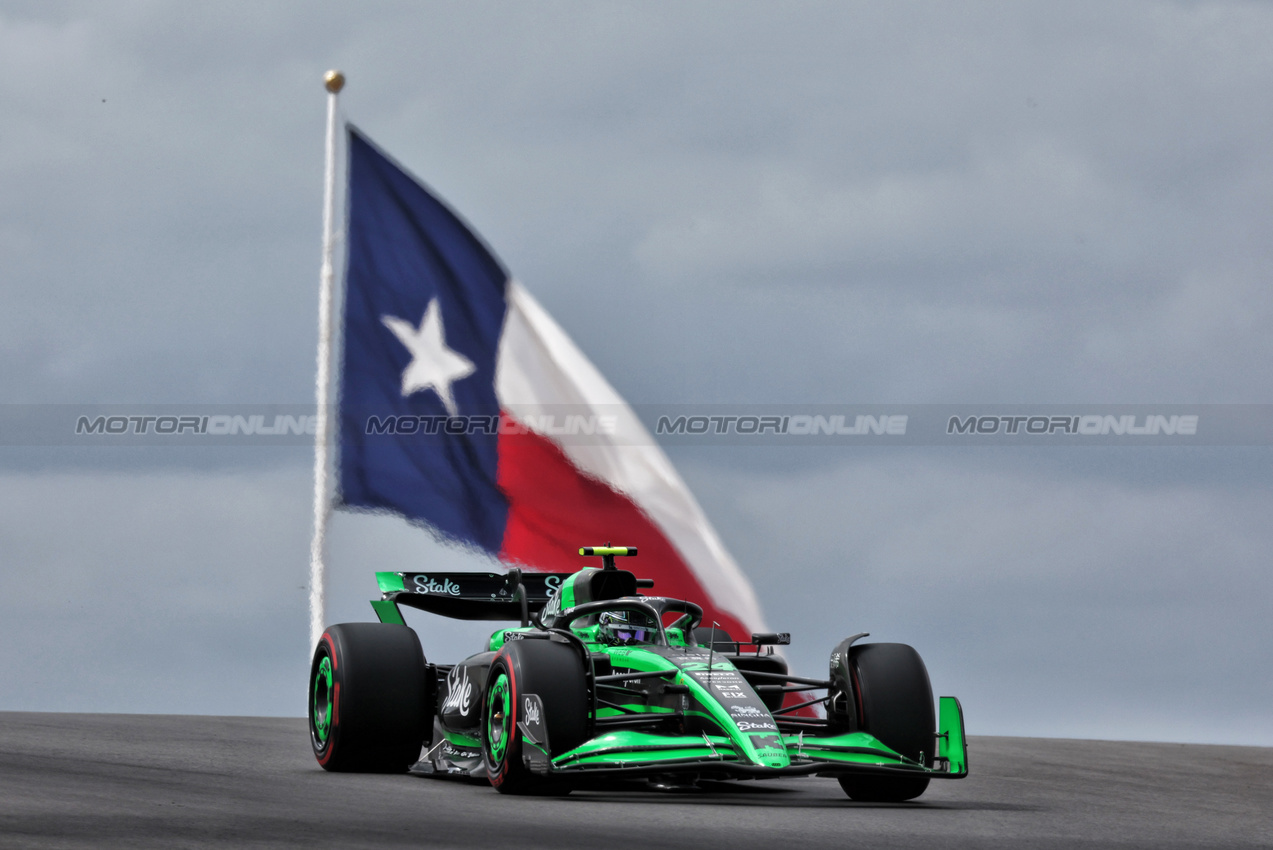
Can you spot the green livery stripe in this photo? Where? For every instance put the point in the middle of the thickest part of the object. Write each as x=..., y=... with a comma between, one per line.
x=637, y=707
x=499, y=637
x=459, y=739
x=567, y=591
x=387, y=611
x=648, y=757
x=629, y=747
x=497, y=640
x=950, y=741
x=854, y=747
x=390, y=582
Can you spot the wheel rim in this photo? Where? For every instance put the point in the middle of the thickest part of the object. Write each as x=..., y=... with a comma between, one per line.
x=321, y=704
x=498, y=727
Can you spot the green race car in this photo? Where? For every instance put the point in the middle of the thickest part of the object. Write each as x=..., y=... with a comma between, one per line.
x=602, y=682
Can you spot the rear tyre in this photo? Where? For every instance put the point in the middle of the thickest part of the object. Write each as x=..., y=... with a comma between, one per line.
x=552, y=671
x=369, y=702
x=894, y=703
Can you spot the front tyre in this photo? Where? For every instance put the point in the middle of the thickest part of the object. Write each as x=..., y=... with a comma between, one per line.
x=552, y=671
x=894, y=703
x=369, y=702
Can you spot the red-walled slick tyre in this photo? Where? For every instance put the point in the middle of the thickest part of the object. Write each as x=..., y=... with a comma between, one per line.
x=369, y=699
x=553, y=672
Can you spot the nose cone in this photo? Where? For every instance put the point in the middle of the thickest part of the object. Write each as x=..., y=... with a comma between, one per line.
x=769, y=749
x=725, y=694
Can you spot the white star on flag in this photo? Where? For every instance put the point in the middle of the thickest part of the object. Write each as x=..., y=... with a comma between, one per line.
x=433, y=365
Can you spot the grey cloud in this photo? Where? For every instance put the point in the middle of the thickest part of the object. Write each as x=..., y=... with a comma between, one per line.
x=184, y=591
x=977, y=172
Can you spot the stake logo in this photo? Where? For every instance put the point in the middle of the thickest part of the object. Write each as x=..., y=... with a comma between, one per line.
x=532, y=710
x=459, y=691
x=446, y=587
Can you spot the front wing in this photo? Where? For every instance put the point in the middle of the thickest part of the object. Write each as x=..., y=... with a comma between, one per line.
x=633, y=753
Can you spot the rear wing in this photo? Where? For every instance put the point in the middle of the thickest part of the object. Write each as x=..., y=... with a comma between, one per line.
x=465, y=596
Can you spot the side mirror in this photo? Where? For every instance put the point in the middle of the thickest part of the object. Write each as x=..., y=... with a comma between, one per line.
x=771, y=639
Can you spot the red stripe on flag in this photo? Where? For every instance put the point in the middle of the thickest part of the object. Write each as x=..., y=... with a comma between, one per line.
x=554, y=509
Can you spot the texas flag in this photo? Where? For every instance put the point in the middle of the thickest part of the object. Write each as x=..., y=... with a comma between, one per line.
x=465, y=407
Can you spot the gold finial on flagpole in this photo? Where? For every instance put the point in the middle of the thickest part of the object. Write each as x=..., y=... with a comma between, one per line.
x=334, y=80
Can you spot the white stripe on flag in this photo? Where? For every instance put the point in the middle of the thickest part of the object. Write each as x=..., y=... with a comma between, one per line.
x=540, y=372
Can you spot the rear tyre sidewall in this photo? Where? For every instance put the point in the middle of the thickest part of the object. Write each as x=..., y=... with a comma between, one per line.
x=895, y=700
x=553, y=672
x=369, y=705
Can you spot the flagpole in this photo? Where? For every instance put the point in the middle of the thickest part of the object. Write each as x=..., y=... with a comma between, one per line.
x=334, y=81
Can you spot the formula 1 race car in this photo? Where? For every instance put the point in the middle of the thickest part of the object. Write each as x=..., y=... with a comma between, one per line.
x=600, y=682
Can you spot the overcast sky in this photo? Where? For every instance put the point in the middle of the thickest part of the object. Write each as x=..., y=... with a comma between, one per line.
x=732, y=202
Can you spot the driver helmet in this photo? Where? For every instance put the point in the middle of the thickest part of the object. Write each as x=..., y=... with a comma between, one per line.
x=625, y=628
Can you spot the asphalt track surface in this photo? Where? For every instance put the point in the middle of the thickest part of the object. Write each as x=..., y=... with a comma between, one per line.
x=139, y=781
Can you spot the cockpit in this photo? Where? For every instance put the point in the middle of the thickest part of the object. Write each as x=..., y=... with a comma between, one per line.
x=626, y=628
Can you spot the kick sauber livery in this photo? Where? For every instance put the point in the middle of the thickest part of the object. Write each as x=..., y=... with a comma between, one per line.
x=601, y=682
